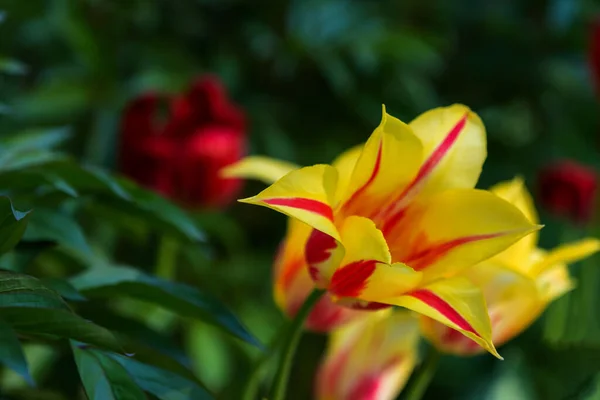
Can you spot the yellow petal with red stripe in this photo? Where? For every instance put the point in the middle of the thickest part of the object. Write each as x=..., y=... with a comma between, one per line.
x=454, y=144
x=345, y=164
x=371, y=358
x=265, y=169
x=443, y=234
x=568, y=253
x=389, y=160
x=365, y=272
x=516, y=193
x=513, y=303
x=456, y=303
x=306, y=194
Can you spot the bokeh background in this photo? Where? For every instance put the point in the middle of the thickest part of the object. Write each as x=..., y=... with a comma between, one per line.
x=310, y=76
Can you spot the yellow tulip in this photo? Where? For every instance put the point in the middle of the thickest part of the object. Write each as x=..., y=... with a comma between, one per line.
x=371, y=358
x=518, y=284
x=394, y=220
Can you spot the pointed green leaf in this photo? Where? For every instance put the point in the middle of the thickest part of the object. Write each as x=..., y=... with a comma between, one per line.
x=30, y=307
x=12, y=225
x=183, y=299
x=163, y=384
x=55, y=226
x=104, y=378
x=64, y=288
x=11, y=352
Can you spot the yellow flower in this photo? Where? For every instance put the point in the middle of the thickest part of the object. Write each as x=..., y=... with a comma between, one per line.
x=518, y=284
x=394, y=220
x=371, y=358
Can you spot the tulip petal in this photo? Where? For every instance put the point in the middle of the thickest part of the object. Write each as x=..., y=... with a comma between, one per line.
x=365, y=272
x=345, y=164
x=513, y=303
x=305, y=194
x=512, y=298
x=454, y=144
x=456, y=303
x=445, y=233
x=365, y=247
x=554, y=282
x=265, y=169
x=377, y=173
x=567, y=254
x=290, y=269
x=516, y=193
x=370, y=358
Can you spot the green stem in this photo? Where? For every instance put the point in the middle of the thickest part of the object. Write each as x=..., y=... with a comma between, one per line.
x=261, y=364
x=166, y=266
x=166, y=262
x=424, y=375
x=291, y=343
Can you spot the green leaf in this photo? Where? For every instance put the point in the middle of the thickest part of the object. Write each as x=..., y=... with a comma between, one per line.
x=183, y=299
x=48, y=225
x=31, y=147
x=33, y=139
x=64, y=288
x=159, y=212
x=82, y=180
x=12, y=225
x=104, y=378
x=163, y=384
x=11, y=353
x=148, y=345
x=30, y=307
x=118, y=194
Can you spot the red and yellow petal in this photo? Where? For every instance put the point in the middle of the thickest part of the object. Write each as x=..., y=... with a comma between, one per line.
x=370, y=358
x=454, y=144
x=453, y=230
x=456, y=303
x=454, y=148
x=292, y=283
x=345, y=164
x=306, y=194
x=265, y=169
x=366, y=273
x=377, y=174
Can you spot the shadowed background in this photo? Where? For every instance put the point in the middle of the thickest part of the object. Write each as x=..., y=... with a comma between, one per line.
x=310, y=77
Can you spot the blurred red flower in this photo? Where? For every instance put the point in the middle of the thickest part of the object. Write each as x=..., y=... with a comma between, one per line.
x=569, y=189
x=181, y=156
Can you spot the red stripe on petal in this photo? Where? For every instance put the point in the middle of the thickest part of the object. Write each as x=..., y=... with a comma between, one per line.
x=391, y=222
x=371, y=179
x=351, y=279
x=428, y=166
x=439, y=153
x=319, y=247
x=309, y=205
x=427, y=256
x=437, y=303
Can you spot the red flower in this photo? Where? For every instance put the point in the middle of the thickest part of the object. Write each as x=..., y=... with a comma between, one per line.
x=181, y=157
x=594, y=53
x=567, y=188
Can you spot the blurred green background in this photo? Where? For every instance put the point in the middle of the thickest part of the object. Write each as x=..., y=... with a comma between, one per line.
x=311, y=76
